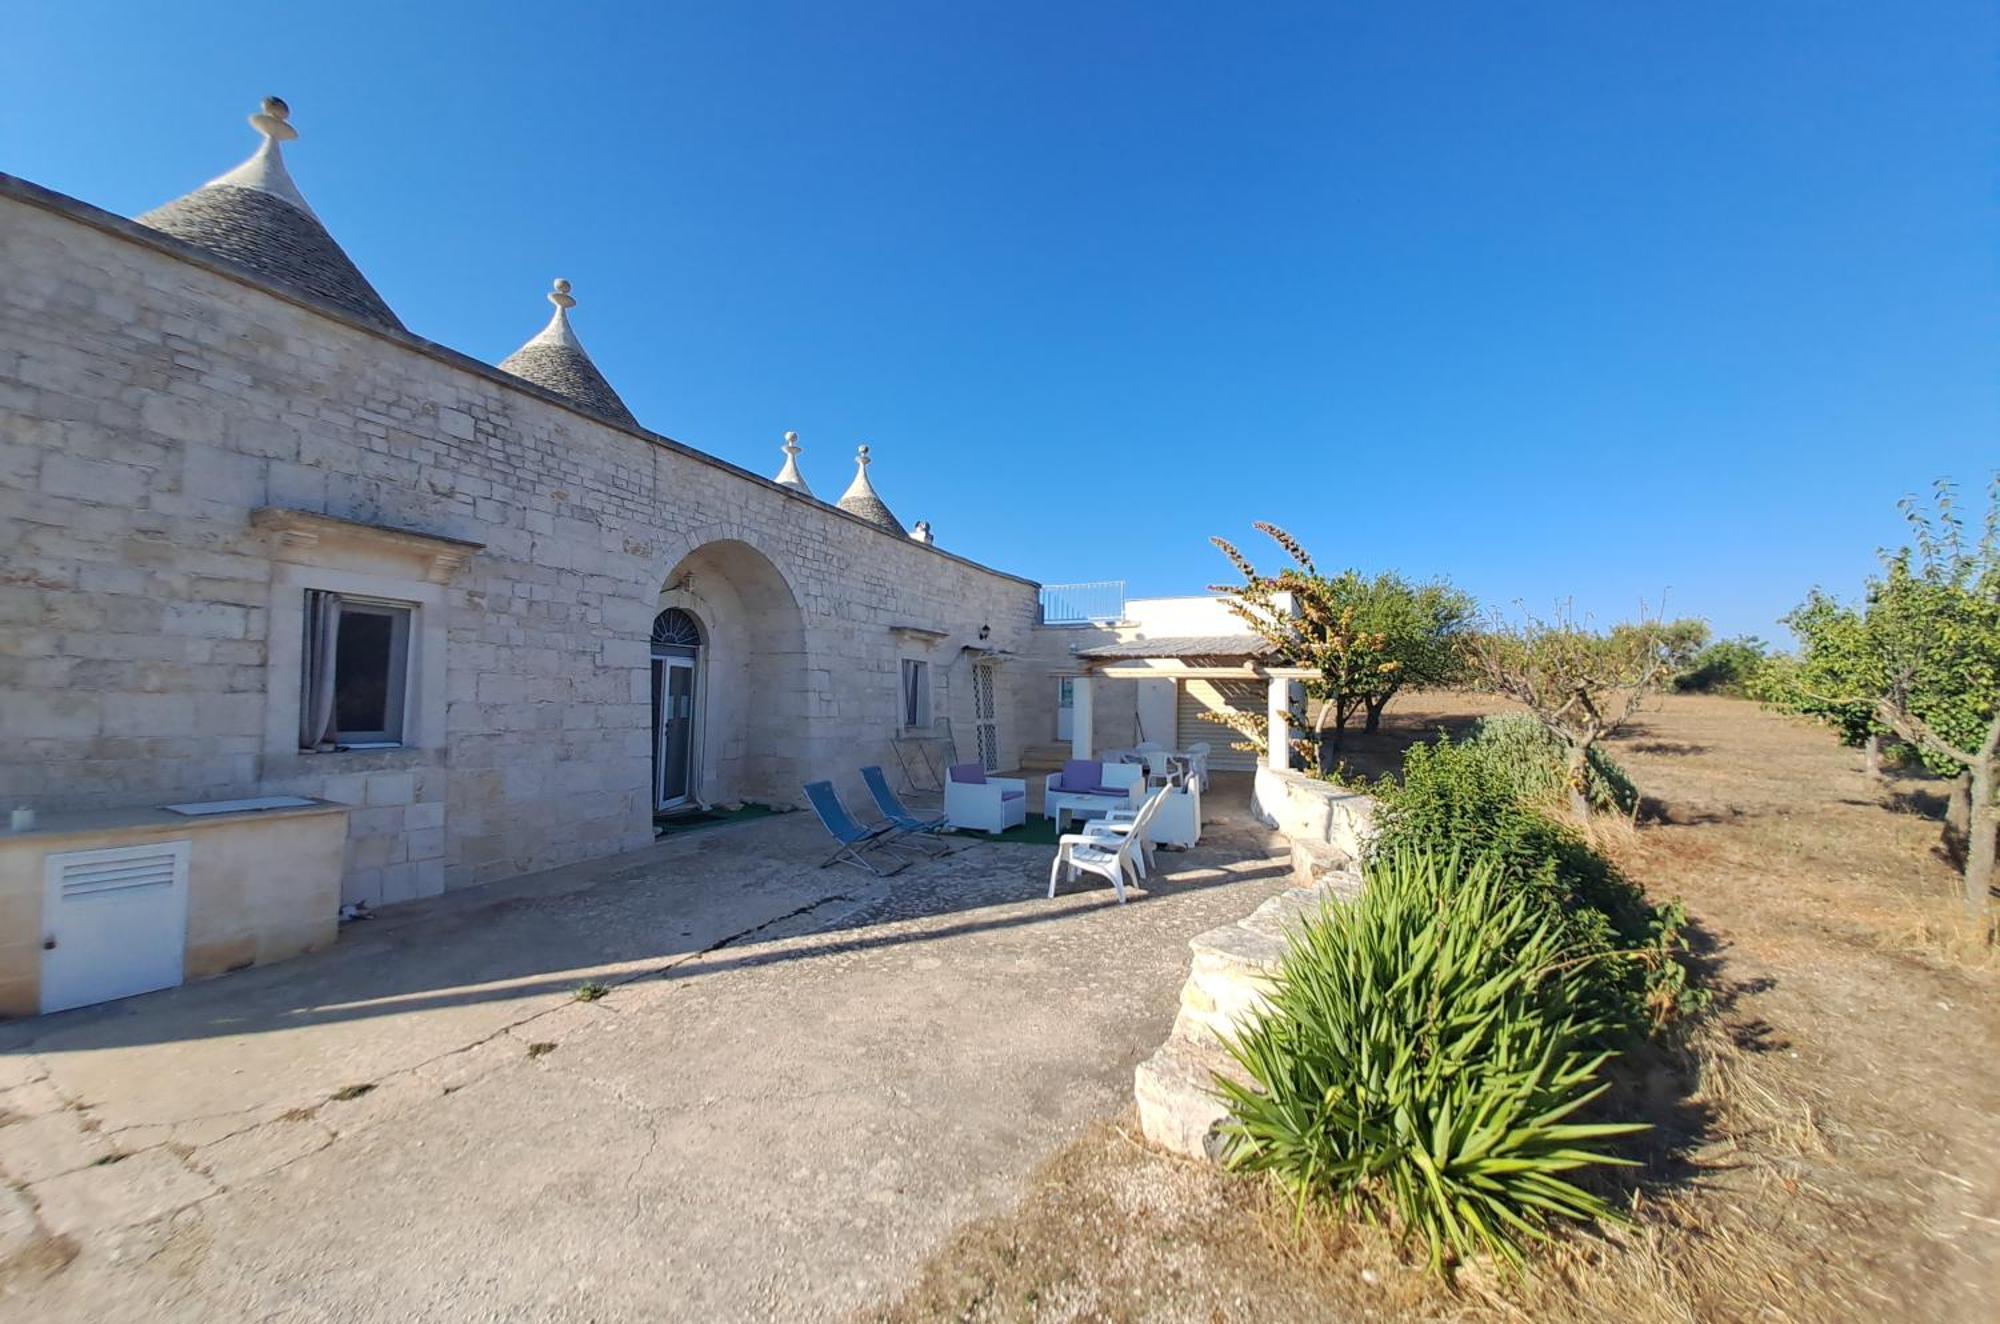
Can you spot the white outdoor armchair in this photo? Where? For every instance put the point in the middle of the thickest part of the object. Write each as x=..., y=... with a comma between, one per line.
x=981, y=803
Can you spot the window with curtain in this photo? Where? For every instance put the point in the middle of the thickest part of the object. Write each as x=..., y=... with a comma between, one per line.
x=354, y=672
x=916, y=694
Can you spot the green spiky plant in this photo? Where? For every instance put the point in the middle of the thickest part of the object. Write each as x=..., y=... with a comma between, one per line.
x=1424, y=1053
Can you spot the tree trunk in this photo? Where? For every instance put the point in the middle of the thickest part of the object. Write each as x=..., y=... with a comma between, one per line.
x=1871, y=751
x=1375, y=707
x=1579, y=804
x=1343, y=713
x=1983, y=821
x=1957, y=834
x=1318, y=734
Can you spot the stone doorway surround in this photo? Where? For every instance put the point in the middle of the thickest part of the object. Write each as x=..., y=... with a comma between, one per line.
x=750, y=681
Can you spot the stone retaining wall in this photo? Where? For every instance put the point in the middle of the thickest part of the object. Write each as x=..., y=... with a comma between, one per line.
x=1307, y=809
x=1233, y=965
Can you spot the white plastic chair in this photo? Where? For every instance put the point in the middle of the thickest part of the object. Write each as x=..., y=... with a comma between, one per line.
x=1077, y=853
x=1198, y=754
x=1134, y=823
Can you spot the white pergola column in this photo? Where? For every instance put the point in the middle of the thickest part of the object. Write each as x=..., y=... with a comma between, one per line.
x=1081, y=718
x=1278, y=711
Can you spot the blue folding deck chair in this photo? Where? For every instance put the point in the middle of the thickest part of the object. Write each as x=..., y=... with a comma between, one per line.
x=920, y=831
x=855, y=840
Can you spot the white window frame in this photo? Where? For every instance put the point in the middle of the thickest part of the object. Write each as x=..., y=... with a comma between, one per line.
x=402, y=616
x=423, y=667
x=914, y=697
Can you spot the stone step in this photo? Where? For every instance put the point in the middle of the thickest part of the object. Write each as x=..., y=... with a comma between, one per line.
x=1178, y=1107
x=1044, y=758
x=1319, y=864
x=1233, y=965
x=1227, y=987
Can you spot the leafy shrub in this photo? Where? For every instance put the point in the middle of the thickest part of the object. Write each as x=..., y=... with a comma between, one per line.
x=1727, y=666
x=1533, y=756
x=1467, y=801
x=1422, y=1054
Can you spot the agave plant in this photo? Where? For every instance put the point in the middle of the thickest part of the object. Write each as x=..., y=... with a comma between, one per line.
x=1423, y=1054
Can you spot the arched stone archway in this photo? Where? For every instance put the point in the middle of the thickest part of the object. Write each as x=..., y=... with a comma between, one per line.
x=748, y=677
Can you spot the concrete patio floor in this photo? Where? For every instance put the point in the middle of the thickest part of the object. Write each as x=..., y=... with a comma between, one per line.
x=798, y=1083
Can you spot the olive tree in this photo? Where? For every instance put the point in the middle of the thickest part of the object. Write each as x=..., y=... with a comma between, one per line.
x=1922, y=659
x=1828, y=678
x=1581, y=684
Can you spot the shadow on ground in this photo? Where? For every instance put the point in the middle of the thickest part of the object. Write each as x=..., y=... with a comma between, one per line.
x=637, y=916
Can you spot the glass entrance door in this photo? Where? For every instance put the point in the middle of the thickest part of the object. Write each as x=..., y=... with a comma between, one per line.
x=673, y=731
x=676, y=648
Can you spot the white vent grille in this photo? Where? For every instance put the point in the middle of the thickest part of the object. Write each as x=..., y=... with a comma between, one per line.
x=94, y=873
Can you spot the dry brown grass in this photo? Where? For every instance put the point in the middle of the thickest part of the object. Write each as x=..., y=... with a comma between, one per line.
x=1829, y=1135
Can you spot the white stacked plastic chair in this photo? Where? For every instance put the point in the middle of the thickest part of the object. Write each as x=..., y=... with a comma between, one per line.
x=1198, y=755
x=1078, y=853
x=1134, y=823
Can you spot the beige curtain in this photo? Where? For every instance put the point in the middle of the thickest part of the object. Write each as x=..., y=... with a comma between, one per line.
x=316, y=669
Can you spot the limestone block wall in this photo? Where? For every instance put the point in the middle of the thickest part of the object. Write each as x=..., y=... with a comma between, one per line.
x=153, y=399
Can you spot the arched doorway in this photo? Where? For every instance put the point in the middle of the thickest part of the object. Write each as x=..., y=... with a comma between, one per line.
x=729, y=680
x=676, y=707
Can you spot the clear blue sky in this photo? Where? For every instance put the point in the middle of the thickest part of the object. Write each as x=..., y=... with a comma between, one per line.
x=1592, y=299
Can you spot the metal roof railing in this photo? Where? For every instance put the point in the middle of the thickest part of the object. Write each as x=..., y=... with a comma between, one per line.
x=1099, y=603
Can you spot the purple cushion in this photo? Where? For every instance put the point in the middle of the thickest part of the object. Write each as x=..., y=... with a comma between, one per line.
x=1081, y=775
x=969, y=774
x=1013, y=795
x=1102, y=790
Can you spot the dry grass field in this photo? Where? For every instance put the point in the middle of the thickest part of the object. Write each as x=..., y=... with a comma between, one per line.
x=1829, y=1138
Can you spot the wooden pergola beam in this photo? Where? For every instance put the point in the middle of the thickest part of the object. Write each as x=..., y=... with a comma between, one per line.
x=1169, y=668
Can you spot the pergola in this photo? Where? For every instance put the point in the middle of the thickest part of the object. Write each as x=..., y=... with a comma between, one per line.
x=1185, y=658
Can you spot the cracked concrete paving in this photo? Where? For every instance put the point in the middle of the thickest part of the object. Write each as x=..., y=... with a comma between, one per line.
x=797, y=1084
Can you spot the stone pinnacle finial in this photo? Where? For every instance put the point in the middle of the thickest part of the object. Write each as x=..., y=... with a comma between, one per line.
x=789, y=476
x=861, y=456
x=265, y=170
x=558, y=331
x=274, y=120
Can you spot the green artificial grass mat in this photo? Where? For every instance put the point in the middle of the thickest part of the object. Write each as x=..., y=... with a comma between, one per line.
x=693, y=820
x=1037, y=831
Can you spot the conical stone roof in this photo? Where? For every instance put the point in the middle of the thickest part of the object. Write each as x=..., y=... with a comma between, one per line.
x=555, y=361
x=860, y=499
x=256, y=216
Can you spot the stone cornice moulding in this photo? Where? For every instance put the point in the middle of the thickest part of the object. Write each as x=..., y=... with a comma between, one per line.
x=297, y=534
x=923, y=634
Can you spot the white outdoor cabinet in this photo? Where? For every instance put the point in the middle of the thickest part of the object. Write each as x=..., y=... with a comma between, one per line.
x=104, y=904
